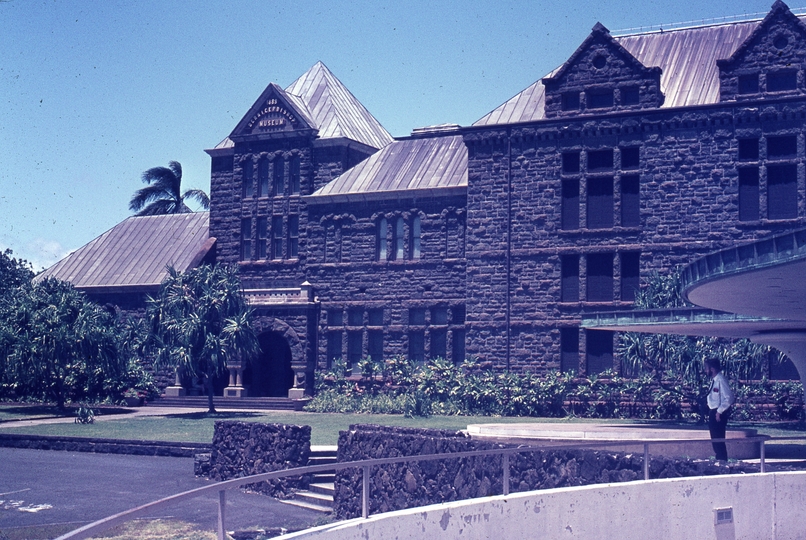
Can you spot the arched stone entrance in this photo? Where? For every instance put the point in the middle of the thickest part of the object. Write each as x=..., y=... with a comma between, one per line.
x=270, y=374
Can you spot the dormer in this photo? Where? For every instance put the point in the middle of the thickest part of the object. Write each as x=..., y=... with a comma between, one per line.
x=770, y=62
x=601, y=76
x=275, y=113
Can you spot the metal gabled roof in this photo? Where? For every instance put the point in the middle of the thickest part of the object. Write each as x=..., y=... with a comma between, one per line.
x=334, y=110
x=687, y=57
x=135, y=253
x=405, y=168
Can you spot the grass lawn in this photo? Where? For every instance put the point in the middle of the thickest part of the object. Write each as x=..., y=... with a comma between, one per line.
x=325, y=427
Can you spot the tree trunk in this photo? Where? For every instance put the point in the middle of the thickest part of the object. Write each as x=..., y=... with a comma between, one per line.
x=210, y=406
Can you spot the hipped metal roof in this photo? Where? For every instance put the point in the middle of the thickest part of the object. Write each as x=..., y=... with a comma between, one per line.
x=134, y=255
x=407, y=168
x=687, y=57
x=332, y=109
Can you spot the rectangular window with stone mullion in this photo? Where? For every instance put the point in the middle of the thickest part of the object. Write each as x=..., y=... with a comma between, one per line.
x=600, y=202
x=277, y=237
x=570, y=204
x=599, y=351
x=246, y=239
x=600, y=277
x=630, y=279
x=569, y=349
x=569, y=286
x=782, y=191
x=293, y=236
x=262, y=237
x=748, y=194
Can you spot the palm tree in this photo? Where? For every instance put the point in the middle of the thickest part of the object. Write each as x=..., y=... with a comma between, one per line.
x=163, y=194
x=200, y=322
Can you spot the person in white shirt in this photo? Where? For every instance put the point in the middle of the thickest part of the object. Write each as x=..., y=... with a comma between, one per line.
x=720, y=402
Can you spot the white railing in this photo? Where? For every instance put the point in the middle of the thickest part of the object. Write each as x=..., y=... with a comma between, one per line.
x=365, y=465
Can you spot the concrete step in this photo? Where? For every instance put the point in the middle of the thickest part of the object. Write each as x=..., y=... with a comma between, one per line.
x=220, y=402
x=323, y=488
x=310, y=506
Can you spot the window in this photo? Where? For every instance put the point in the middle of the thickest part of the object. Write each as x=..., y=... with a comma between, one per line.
x=570, y=204
x=599, y=347
x=415, y=237
x=248, y=180
x=278, y=179
x=569, y=282
x=782, y=191
x=355, y=317
x=263, y=178
x=630, y=201
x=375, y=317
x=399, y=249
x=458, y=346
x=630, y=279
x=599, y=99
x=417, y=346
x=262, y=236
x=334, y=351
x=600, y=277
x=571, y=162
x=569, y=350
x=782, y=147
x=600, y=160
x=780, y=81
x=335, y=317
x=439, y=315
x=439, y=343
x=748, y=194
x=748, y=84
x=570, y=101
x=246, y=239
x=381, y=240
x=277, y=237
x=293, y=175
x=293, y=237
x=748, y=149
x=630, y=95
x=600, y=203
x=416, y=316
x=375, y=345
x=355, y=346
x=458, y=315
x=630, y=157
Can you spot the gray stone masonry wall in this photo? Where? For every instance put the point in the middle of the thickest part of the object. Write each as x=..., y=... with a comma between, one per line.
x=247, y=448
x=688, y=206
x=355, y=279
x=395, y=487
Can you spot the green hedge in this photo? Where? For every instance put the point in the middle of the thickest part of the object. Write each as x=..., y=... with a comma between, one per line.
x=438, y=387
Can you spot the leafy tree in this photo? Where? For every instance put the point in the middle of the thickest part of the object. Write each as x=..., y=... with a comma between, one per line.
x=57, y=345
x=163, y=195
x=200, y=321
x=675, y=362
x=13, y=272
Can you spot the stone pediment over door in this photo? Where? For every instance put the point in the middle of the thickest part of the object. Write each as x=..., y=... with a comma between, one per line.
x=275, y=113
x=770, y=63
x=601, y=76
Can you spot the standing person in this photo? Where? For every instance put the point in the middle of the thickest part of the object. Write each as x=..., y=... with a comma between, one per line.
x=720, y=401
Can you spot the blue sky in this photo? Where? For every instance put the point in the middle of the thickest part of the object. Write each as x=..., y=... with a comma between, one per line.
x=93, y=93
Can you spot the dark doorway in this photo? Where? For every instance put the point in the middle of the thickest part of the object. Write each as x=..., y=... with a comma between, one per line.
x=270, y=374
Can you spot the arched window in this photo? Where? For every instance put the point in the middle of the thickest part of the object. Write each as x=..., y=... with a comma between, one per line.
x=248, y=181
x=382, y=250
x=263, y=178
x=415, y=237
x=399, y=249
x=293, y=175
x=278, y=180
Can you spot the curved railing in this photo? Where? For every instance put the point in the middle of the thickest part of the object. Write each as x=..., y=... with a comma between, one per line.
x=222, y=487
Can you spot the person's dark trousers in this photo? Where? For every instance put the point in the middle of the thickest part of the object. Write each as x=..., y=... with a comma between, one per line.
x=717, y=430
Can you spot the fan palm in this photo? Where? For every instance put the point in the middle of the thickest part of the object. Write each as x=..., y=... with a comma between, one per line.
x=163, y=194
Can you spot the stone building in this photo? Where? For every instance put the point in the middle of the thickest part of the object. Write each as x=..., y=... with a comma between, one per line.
x=638, y=154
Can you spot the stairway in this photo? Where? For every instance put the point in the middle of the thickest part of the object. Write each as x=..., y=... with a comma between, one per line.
x=320, y=492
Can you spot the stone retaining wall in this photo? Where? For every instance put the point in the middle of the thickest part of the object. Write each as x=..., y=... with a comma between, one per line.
x=246, y=448
x=406, y=485
x=105, y=446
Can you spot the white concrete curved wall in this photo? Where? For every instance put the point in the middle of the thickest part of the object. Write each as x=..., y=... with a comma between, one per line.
x=765, y=506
